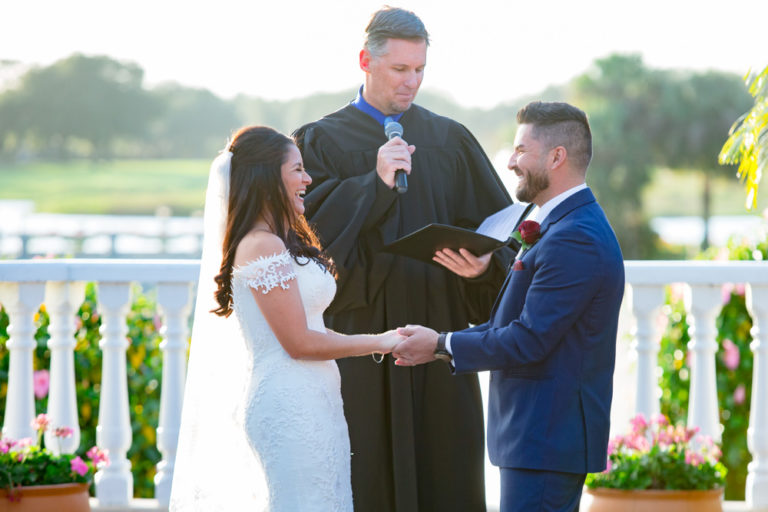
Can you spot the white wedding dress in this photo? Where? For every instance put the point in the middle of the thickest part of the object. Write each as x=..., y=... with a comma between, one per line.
x=259, y=431
x=293, y=413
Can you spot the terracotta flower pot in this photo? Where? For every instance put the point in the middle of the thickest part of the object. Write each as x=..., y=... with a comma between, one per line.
x=617, y=500
x=46, y=498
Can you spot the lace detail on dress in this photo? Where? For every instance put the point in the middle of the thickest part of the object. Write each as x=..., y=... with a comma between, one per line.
x=293, y=414
x=268, y=272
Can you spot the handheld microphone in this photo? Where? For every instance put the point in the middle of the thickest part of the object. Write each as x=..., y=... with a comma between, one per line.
x=394, y=129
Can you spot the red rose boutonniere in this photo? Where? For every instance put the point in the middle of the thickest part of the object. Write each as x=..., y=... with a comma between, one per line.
x=528, y=233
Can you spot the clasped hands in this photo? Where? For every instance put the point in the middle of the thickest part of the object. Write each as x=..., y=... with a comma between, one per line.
x=417, y=347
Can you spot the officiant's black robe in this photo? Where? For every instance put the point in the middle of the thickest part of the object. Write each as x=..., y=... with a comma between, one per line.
x=416, y=433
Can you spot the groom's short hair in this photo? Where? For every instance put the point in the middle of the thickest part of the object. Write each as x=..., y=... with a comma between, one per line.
x=560, y=124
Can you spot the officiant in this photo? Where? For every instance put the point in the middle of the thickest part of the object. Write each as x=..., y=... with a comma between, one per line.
x=416, y=433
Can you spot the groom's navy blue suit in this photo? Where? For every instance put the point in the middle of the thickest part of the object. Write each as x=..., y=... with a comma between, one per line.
x=550, y=343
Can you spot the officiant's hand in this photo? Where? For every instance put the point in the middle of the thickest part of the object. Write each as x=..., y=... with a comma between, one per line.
x=463, y=263
x=393, y=156
x=418, y=347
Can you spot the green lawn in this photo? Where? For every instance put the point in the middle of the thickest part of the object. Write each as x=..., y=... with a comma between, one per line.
x=141, y=186
x=118, y=187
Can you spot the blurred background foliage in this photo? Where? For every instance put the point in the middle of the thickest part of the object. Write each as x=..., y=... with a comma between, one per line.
x=86, y=112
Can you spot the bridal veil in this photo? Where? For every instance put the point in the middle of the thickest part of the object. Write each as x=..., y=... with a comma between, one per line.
x=215, y=468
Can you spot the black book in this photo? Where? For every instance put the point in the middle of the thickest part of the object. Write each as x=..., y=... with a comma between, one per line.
x=492, y=234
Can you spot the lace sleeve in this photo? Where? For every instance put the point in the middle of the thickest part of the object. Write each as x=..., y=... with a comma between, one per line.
x=268, y=272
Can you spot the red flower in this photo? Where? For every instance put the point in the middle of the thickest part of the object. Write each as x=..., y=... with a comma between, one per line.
x=530, y=232
x=518, y=265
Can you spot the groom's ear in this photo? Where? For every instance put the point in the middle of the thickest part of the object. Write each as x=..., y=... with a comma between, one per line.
x=557, y=157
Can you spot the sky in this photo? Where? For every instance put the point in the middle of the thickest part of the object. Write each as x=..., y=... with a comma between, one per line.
x=483, y=52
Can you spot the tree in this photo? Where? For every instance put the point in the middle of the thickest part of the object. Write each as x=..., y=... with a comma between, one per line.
x=192, y=122
x=95, y=100
x=747, y=144
x=699, y=109
x=619, y=94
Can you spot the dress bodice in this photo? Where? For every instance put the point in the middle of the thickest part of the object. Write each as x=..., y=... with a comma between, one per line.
x=316, y=287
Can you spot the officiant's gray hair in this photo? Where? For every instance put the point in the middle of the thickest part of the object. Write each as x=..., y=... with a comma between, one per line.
x=393, y=23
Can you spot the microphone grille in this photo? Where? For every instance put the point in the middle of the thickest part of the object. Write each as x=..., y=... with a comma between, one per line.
x=393, y=129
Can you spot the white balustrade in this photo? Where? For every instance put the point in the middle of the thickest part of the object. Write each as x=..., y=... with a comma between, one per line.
x=174, y=301
x=645, y=302
x=62, y=300
x=757, y=433
x=114, y=483
x=22, y=287
x=21, y=301
x=705, y=304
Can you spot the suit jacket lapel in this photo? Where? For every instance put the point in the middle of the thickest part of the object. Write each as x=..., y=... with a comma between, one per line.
x=578, y=199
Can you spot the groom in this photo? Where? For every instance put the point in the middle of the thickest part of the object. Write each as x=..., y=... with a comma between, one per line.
x=550, y=341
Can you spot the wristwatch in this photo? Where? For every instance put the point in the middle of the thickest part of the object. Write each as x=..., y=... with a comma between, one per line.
x=440, y=352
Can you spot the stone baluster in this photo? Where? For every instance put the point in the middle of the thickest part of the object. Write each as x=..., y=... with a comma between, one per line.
x=62, y=300
x=174, y=300
x=114, y=483
x=704, y=305
x=757, y=433
x=645, y=301
x=21, y=301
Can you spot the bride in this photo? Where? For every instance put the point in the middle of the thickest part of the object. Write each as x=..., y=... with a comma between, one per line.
x=262, y=423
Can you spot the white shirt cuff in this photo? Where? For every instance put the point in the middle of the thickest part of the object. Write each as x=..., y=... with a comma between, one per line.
x=448, y=343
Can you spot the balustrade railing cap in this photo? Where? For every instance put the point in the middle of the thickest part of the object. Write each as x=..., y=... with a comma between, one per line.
x=104, y=270
x=648, y=272
x=658, y=272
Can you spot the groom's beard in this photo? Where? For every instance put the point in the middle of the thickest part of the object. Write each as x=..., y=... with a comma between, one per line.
x=532, y=184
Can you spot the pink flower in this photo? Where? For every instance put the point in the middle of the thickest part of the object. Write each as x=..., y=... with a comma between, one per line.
x=676, y=292
x=694, y=459
x=41, y=423
x=660, y=420
x=731, y=355
x=612, y=445
x=63, y=432
x=739, y=395
x=666, y=436
x=98, y=456
x=22, y=443
x=637, y=441
x=638, y=424
x=41, y=379
x=157, y=321
x=79, y=466
x=726, y=292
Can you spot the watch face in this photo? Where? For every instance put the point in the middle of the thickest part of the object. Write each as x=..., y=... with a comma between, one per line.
x=443, y=356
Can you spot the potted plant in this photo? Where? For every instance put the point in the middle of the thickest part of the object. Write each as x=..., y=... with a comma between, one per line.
x=35, y=479
x=664, y=467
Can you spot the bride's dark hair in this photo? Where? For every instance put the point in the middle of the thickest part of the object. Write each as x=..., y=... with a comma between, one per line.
x=256, y=189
